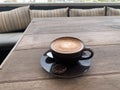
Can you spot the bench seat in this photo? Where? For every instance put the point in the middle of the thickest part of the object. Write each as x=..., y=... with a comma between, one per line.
x=8, y=40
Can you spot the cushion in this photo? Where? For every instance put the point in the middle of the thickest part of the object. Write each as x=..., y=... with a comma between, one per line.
x=49, y=13
x=9, y=39
x=87, y=12
x=14, y=20
x=113, y=11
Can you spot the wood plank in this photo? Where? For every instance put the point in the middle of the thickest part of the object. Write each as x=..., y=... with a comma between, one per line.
x=111, y=82
x=89, y=38
x=73, y=24
x=24, y=64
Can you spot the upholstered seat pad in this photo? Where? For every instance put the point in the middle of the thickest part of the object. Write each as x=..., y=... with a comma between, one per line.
x=9, y=39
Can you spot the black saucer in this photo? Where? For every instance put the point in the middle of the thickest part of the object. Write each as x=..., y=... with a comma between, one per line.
x=63, y=71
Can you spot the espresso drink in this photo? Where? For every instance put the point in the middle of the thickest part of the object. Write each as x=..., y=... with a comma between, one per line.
x=67, y=45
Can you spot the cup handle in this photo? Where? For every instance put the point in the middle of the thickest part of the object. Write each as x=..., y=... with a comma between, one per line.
x=91, y=53
x=47, y=52
x=50, y=59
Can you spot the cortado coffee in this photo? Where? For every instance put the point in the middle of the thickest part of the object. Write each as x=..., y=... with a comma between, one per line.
x=67, y=45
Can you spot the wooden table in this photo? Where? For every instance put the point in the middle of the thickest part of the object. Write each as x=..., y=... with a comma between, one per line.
x=22, y=71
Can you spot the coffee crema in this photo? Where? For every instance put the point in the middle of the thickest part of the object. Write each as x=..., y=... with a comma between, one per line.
x=67, y=45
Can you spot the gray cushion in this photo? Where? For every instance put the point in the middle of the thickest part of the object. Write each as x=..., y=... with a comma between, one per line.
x=113, y=11
x=87, y=12
x=14, y=20
x=63, y=12
x=9, y=39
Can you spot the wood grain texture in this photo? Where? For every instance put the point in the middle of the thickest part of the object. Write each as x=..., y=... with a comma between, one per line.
x=110, y=82
x=73, y=24
x=22, y=69
x=25, y=64
x=89, y=38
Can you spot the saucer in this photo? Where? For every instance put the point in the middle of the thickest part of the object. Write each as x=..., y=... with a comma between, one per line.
x=60, y=70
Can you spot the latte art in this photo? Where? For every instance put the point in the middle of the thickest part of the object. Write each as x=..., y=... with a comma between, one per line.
x=67, y=45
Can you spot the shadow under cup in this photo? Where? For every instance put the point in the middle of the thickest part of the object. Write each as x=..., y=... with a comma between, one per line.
x=69, y=50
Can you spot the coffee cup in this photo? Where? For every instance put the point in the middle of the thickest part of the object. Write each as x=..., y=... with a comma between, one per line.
x=69, y=50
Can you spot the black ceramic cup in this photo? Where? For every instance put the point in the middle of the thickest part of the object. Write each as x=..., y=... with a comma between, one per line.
x=69, y=50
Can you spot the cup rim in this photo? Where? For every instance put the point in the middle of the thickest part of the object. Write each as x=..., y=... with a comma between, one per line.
x=67, y=52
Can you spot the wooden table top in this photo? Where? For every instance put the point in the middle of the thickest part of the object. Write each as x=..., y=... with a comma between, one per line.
x=22, y=70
